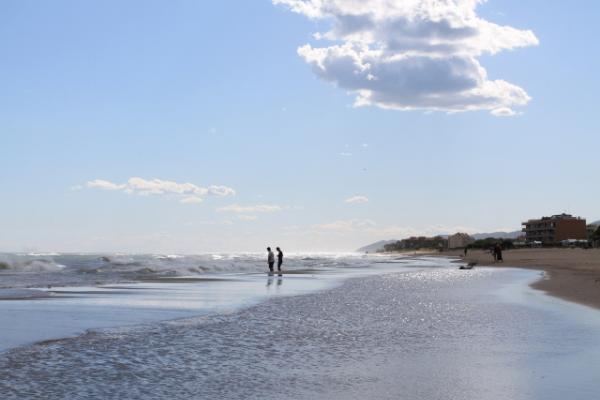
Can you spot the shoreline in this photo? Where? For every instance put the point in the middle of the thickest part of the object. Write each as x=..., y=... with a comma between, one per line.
x=375, y=336
x=69, y=311
x=570, y=274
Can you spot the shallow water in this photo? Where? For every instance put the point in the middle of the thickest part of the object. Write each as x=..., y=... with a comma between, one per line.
x=59, y=312
x=431, y=333
x=73, y=310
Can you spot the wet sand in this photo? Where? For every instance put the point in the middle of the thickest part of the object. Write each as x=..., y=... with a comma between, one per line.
x=571, y=274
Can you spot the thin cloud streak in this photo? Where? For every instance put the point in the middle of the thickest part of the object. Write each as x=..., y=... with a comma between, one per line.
x=357, y=200
x=187, y=193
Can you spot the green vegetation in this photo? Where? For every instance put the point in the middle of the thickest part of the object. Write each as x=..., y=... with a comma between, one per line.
x=491, y=242
x=3, y=265
x=439, y=243
x=416, y=243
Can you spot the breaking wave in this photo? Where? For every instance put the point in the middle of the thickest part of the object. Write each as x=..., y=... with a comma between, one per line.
x=19, y=270
x=35, y=265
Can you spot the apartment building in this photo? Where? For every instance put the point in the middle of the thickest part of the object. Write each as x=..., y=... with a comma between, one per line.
x=552, y=230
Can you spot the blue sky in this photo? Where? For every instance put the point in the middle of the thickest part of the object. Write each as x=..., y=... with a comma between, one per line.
x=215, y=93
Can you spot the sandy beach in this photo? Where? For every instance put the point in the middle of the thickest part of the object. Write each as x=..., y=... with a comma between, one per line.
x=571, y=274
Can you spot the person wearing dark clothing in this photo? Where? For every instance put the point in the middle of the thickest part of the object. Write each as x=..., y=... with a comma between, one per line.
x=270, y=259
x=466, y=250
x=493, y=253
x=279, y=259
x=498, y=253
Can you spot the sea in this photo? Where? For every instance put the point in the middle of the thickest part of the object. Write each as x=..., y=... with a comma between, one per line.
x=330, y=326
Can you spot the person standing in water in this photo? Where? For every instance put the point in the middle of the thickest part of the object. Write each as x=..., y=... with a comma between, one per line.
x=270, y=259
x=279, y=259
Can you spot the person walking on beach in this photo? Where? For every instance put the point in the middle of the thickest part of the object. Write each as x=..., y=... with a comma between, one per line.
x=466, y=250
x=498, y=253
x=279, y=259
x=493, y=253
x=270, y=259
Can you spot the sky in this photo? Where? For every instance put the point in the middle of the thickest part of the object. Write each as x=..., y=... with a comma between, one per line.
x=193, y=126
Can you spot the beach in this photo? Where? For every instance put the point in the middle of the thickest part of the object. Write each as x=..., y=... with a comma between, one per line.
x=354, y=327
x=253, y=200
x=571, y=274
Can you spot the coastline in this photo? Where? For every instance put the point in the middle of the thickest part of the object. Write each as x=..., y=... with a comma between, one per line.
x=571, y=274
x=377, y=336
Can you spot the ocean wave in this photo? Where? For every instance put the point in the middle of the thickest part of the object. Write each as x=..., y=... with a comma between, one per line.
x=166, y=265
x=168, y=257
x=121, y=260
x=19, y=270
x=30, y=265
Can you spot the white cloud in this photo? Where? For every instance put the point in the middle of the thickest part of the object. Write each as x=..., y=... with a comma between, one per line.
x=191, y=200
x=247, y=217
x=221, y=191
x=186, y=192
x=259, y=208
x=357, y=200
x=504, y=112
x=413, y=54
x=346, y=154
x=102, y=184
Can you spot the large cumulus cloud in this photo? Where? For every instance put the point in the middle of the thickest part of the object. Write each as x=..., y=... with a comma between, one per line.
x=413, y=54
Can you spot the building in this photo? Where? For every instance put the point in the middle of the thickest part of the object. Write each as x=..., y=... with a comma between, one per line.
x=594, y=234
x=459, y=240
x=591, y=230
x=554, y=229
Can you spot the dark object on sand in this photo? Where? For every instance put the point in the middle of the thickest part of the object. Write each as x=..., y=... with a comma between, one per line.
x=468, y=266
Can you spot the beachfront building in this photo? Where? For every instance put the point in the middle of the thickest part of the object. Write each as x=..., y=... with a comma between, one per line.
x=554, y=229
x=594, y=234
x=459, y=240
x=591, y=230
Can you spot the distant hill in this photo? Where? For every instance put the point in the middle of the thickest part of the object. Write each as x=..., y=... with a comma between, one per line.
x=596, y=223
x=497, y=235
x=372, y=248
